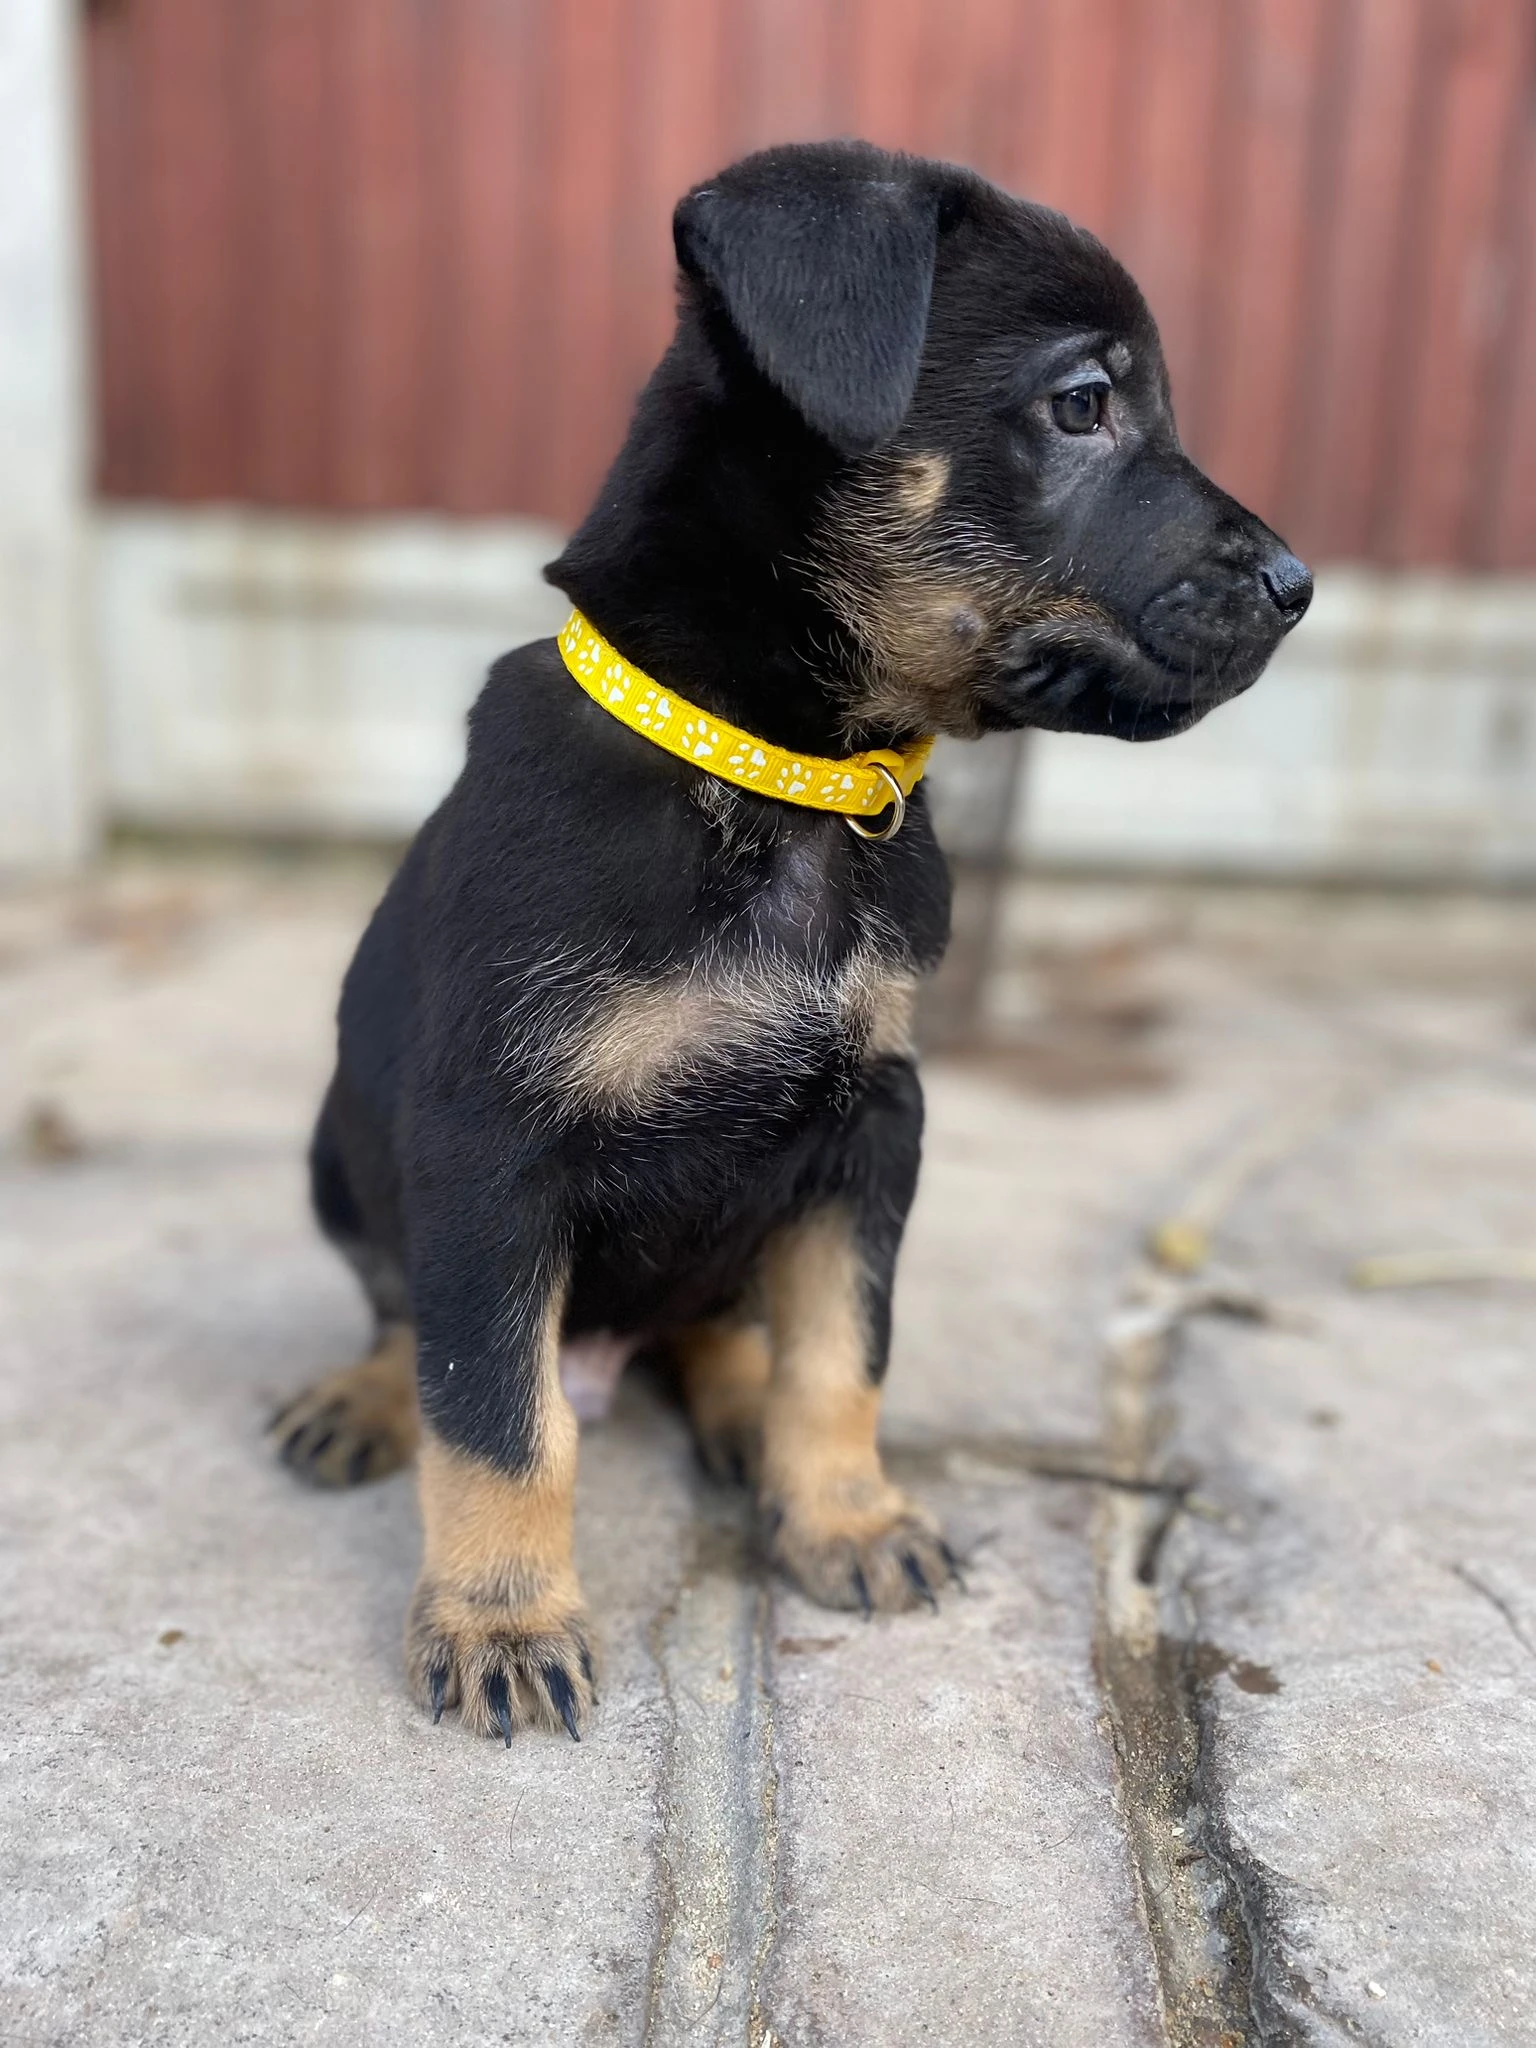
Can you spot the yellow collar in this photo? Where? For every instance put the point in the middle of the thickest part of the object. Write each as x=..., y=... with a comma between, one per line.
x=859, y=786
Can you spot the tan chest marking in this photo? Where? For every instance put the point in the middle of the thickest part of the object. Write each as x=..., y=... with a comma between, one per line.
x=648, y=1037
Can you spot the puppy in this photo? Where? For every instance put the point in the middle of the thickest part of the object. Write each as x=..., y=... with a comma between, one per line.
x=625, y=1051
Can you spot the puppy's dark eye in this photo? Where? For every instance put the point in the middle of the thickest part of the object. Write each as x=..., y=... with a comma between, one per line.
x=1080, y=410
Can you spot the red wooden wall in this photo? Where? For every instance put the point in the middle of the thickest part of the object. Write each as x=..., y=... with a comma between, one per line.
x=371, y=254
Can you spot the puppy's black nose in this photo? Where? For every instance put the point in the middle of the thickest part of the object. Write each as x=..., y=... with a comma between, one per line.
x=1289, y=584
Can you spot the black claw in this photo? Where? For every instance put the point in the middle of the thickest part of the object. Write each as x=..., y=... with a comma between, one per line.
x=437, y=1679
x=953, y=1563
x=357, y=1465
x=497, y=1700
x=586, y=1669
x=917, y=1578
x=294, y=1447
x=282, y=1415
x=563, y=1694
x=861, y=1587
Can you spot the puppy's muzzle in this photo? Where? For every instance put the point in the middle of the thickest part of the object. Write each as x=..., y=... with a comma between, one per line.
x=1221, y=624
x=1289, y=585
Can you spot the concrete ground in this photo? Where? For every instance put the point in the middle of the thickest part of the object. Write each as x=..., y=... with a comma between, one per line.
x=1231, y=1740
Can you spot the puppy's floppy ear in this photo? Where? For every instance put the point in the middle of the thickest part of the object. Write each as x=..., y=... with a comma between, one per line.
x=822, y=256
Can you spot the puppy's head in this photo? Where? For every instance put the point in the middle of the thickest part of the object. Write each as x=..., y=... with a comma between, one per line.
x=1009, y=531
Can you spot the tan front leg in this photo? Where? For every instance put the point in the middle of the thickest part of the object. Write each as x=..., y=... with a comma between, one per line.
x=835, y=1522
x=497, y=1626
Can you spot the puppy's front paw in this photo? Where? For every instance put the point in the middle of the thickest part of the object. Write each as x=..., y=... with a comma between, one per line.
x=503, y=1667
x=884, y=1554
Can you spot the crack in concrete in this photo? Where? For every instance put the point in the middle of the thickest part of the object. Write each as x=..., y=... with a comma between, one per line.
x=719, y=1840
x=1208, y=1906
x=1479, y=1585
x=1247, y=1897
x=992, y=1459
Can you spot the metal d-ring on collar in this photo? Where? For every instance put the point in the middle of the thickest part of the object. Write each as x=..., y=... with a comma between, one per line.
x=898, y=810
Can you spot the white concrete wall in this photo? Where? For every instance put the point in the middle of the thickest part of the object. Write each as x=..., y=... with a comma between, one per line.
x=47, y=806
x=274, y=674
x=278, y=674
x=1393, y=736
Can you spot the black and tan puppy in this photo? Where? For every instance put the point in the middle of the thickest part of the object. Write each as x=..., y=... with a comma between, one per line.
x=624, y=1053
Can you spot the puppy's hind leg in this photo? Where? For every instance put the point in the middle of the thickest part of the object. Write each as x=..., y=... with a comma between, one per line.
x=833, y=1519
x=358, y=1424
x=725, y=1367
x=361, y=1423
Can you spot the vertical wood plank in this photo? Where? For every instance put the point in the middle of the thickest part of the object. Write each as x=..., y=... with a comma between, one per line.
x=883, y=90
x=191, y=297
x=1454, y=318
x=489, y=132
x=788, y=65
x=122, y=371
x=1085, y=90
x=1165, y=219
x=384, y=282
x=1504, y=537
x=681, y=99
x=1364, y=217
x=1265, y=259
x=289, y=311
x=582, y=411
x=1018, y=108
x=963, y=47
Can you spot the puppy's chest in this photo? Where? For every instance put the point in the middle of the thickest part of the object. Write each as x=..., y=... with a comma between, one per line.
x=792, y=986
x=727, y=1025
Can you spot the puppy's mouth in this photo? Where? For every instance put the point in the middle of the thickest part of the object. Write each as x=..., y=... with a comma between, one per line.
x=1091, y=676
